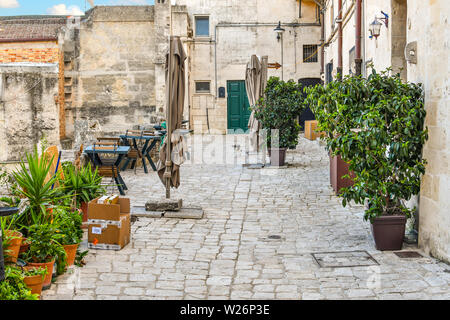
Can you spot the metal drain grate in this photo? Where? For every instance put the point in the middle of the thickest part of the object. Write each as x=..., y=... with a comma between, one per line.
x=408, y=254
x=344, y=259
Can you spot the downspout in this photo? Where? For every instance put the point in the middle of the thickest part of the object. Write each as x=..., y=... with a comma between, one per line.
x=339, y=21
x=358, y=60
x=322, y=39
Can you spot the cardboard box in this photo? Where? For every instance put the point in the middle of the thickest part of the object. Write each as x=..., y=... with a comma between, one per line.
x=105, y=211
x=109, y=225
x=311, y=132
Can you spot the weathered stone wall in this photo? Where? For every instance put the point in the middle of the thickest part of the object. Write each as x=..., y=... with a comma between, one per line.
x=428, y=24
x=115, y=69
x=28, y=108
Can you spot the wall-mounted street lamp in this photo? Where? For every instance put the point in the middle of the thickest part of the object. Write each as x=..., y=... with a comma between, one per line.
x=279, y=30
x=375, y=26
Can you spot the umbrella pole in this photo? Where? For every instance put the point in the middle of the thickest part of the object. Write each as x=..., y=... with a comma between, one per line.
x=168, y=172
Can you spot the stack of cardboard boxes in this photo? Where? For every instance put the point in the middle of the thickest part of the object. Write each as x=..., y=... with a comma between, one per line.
x=311, y=132
x=109, y=223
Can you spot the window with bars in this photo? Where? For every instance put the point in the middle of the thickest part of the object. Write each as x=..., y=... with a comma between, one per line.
x=310, y=53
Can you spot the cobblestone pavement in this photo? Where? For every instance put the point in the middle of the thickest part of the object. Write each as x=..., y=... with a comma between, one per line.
x=230, y=254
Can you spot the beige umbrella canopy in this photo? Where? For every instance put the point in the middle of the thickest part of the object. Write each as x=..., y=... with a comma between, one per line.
x=255, y=84
x=169, y=167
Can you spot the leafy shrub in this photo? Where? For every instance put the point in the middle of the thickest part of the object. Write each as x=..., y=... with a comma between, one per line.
x=279, y=109
x=377, y=126
x=81, y=185
x=45, y=245
x=13, y=287
x=68, y=223
x=36, y=187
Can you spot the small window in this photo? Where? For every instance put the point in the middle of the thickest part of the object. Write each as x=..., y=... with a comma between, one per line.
x=202, y=26
x=203, y=87
x=310, y=53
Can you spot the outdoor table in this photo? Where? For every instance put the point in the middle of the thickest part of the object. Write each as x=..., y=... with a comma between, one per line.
x=146, y=149
x=94, y=152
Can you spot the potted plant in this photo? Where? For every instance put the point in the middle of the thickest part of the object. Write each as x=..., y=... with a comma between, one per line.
x=11, y=239
x=278, y=111
x=11, y=245
x=336, y=105
x=14, y=287
x=81, y=185
x=25, y=245
x=45, y=250
x=34, y=278
x=37, y=188
x=69, y=224
x=378, y=128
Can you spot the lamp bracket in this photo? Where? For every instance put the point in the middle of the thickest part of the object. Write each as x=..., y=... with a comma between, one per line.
x=385, y=18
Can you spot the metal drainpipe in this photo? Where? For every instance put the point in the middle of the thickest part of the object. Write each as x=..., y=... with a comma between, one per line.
x=358, y=60
x=339, y=18
x=224, y=25
x=322, y=40
x=282, y=58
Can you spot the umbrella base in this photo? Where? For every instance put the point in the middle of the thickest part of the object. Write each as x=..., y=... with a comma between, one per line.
x=164, y=205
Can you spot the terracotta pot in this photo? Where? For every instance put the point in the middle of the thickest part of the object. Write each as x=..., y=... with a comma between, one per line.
x=13, y=246
x=48, y=277
x=71, y=251
x=35, y=283
x=388, y=232
x=24, y=246
x=84, y=208
x=277, y=156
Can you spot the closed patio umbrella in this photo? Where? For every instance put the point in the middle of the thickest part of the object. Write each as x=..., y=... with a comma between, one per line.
x=168, y=167
x=255, y=84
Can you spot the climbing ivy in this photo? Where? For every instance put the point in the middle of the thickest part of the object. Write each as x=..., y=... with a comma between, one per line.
x=377, y=126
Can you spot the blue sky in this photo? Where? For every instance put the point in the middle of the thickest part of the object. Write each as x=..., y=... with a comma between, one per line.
x=63, y=7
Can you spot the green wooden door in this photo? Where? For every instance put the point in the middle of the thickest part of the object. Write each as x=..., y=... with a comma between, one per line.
x=238, y=106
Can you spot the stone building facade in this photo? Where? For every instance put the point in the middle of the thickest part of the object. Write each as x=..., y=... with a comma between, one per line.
x=415, y=43
x=32, y=91
x=111, y=68
x=221, y=39
x=111, y=61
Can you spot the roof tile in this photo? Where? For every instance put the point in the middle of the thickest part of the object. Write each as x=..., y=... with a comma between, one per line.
x=30, y=29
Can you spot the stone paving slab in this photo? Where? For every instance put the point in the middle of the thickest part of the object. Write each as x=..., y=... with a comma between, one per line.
x=231, y=253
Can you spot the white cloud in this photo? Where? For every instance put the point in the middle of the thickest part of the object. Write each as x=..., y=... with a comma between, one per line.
x=62, y=10
x=9, y=4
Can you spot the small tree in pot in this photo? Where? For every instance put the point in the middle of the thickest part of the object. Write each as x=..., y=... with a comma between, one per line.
x=69, y=223
x=278, y=112
x=377, y=125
